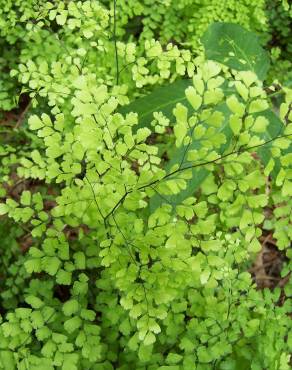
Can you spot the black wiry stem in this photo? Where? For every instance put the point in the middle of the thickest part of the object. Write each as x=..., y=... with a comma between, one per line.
x=201, y=164
x=115, y=43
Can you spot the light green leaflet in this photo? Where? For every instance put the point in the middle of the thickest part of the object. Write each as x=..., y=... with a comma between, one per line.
x=198, y=174
x=164, y=99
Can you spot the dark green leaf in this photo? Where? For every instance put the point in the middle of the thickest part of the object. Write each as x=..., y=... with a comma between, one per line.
x=232, y=45
x=162, y=100
x=274, y=129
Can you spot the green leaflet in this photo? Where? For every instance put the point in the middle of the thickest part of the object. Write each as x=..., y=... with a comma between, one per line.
x=198, y=174
x=274, y=129
x=158, y=101
x=162, y=99
x=232, y=45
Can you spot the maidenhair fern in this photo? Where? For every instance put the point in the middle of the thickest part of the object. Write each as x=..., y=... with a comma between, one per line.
x=142, y=218
x=167, y=286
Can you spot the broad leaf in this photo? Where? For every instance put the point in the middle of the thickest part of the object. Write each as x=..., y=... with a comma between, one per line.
x=162, y=100
x=275, y=128
x=232, y=45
